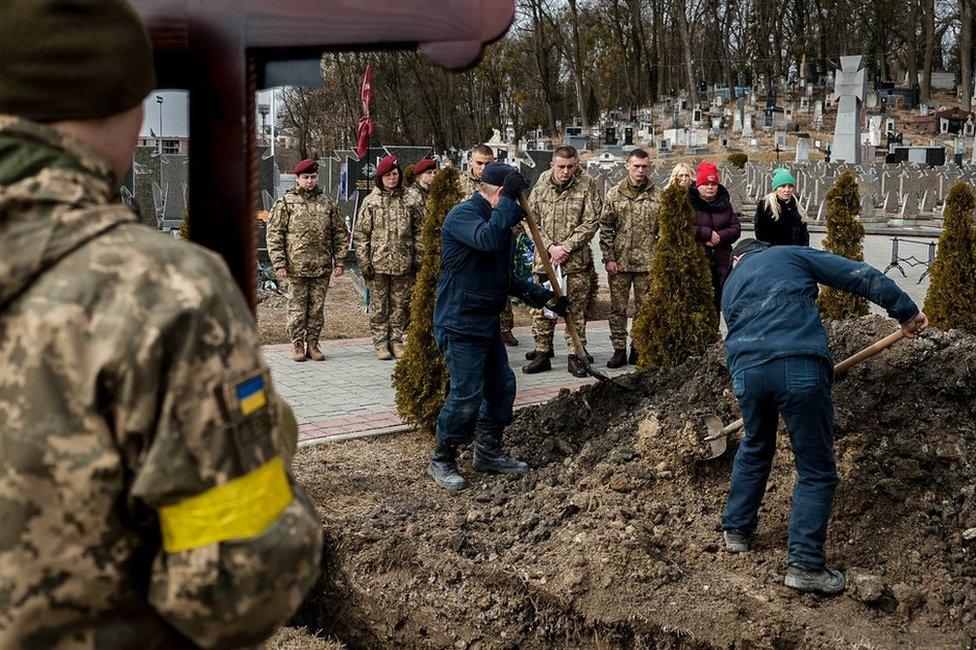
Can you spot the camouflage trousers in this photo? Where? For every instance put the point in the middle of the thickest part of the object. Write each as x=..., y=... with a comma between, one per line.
x=305, y=308
x=506, y=320
x=578, y=290
x=389, y=308
x=620, y=298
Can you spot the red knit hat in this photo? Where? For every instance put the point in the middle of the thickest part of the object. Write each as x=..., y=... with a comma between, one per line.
x=424, y=165
x=707, y=173
x=307, y=166
x=385, y=165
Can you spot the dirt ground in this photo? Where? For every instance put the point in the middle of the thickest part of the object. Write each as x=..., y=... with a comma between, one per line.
x=612, y=540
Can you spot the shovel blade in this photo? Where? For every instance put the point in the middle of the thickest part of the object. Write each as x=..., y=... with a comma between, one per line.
x=718, y=442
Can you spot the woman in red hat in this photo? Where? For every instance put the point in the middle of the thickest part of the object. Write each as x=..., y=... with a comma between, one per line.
x=423, y=174
x=387, y=243
x=716, y=224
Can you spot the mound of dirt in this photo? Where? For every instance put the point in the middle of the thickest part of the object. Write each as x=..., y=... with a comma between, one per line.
x=612, y=540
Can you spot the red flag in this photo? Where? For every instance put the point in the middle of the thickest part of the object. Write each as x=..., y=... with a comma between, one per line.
x=365, y=128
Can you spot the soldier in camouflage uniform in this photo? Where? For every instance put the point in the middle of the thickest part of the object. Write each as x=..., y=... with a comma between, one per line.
x=424, y=172
x=307, y=241
x=567, y=204
x=628, y=233
x=145, y=493
x=387, y=243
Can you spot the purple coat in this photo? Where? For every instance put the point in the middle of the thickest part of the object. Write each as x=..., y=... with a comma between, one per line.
x=716, y=216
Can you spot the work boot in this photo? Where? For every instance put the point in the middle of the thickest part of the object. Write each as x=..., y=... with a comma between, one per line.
x=589, y=357
x=823, y=581
x=383, y=353
x=618, y=360
x=632, y=360
x=488, y=454
x=509, y=338
x=538, y=364
x=444, y=470
x=298, y=351
x=531, y=354
x=399, y=349
x=574, y=366
x=314, y=351
x=736, y=542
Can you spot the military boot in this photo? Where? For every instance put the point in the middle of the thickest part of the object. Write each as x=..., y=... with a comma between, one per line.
x=574, y=366
x=383, y=352
x=532, y=354
x=509, y=338
x=298, y=351
x=314, y=351
x=488, y=454
x=619, y=359
x=538, y=364
x=399, y=349
x=633, y=356
x=443, y=468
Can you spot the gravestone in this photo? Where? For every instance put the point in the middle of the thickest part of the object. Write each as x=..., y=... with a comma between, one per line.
x=802, y=148
x=747, y=125
x=849, y=92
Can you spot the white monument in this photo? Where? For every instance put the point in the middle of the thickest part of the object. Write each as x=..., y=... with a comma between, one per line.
x=849, y=90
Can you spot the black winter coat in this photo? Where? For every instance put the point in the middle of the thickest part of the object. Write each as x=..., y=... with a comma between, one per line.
x=788, y=230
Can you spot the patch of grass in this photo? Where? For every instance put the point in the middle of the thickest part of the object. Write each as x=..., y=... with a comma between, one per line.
x=344, y=317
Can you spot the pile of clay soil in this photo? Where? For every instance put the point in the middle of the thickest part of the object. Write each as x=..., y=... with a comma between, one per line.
x=612, y=540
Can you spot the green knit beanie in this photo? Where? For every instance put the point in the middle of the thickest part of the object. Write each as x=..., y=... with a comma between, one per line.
x=72, y=59
x=782, y=177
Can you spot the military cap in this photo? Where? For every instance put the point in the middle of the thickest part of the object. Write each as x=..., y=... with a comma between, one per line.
x=385, y=165
x=424, y=165
x=72, y=59
x=307, y=166
x=495, y=173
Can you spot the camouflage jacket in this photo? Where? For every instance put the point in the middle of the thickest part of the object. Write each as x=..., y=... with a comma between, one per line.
x=144, y=498
x=469, y=184
x=387, y=232
x=421, y=192
x=629, y=226
x=307, y=234
x=568, y=216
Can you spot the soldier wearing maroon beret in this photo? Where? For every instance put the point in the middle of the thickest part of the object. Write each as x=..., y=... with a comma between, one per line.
x=423, y=173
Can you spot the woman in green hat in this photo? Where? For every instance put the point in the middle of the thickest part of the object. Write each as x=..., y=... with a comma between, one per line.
x=779, y=216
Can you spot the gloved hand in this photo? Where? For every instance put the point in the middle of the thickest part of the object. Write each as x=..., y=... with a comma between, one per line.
x=559, y=305
x=368, y=273
x=513, y=184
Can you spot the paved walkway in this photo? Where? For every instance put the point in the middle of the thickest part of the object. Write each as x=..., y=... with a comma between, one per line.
x=350, y=391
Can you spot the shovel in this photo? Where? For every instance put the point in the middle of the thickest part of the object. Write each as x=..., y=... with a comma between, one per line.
x=570, y=327
x=718, y=435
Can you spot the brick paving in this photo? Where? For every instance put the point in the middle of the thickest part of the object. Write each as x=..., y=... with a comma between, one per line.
x=350, y=391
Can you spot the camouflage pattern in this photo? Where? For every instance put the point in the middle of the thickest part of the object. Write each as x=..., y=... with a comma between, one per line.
x=568, y=216
x=387, y=232
x=629, y=226
x=422, y=193
x=620, y=285
x=389, y=308
x=578, y=291
x=469, y=185
x=305, y=307
x=307, y=234
x=506, y=319
x=120, y=349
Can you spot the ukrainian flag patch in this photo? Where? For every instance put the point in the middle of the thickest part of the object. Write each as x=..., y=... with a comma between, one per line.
x=251, y=395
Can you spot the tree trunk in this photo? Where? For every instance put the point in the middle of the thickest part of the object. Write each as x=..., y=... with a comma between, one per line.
x=576, y=62
x=965, y=52
x=684, y=31
x=928, y=20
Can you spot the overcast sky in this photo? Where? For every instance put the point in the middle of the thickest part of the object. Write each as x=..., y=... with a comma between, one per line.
x=174, y=112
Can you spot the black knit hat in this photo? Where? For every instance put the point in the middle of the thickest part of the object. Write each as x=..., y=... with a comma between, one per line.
x=748, y=245
x=72, y=59
x=495, y=173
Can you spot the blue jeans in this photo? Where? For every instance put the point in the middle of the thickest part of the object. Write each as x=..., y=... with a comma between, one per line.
x=482, y=385
x=798, y=388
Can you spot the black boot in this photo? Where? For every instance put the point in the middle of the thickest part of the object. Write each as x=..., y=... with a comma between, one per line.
x=539, y=364
x=589, y=357
x=443, y=468
x=633, y=356
x=488, y=454
x=618, y=360
x=532, y=354
x=574, y=366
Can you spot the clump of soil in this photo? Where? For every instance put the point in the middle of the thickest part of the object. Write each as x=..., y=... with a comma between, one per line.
x=612, y=540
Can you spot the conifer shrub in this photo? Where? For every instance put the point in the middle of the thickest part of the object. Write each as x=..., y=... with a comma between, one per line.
x=420, y=377
x=185, y=226
x=738, y=159
x=409, y=176
x=845, y=236
x=678, y=319
x=951, y=299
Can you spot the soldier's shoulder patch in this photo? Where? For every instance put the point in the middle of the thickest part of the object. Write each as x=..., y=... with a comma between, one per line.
x=251, y=396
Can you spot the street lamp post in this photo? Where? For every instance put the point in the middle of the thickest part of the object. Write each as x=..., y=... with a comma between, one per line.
x=159, y=136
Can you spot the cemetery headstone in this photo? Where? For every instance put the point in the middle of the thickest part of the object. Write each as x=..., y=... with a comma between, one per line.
x=849, y=91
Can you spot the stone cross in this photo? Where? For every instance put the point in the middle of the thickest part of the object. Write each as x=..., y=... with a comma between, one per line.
x=849, y=91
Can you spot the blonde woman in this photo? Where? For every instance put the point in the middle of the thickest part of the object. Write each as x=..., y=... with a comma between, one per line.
x=683, y=174
x=779, y=216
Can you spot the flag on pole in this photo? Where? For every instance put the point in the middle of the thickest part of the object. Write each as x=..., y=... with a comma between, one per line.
x=365, y=123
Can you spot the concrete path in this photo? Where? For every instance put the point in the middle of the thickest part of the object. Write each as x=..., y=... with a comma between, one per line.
x=350, y=391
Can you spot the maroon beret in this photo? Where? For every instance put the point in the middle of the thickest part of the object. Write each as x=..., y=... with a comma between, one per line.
x=385, y=164
x=307, y=166
x=424, y=165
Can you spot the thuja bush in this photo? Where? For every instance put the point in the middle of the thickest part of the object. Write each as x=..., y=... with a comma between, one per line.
x=420, y=377
x=738, y=159
x=845, y=236
x=951, y=299
x=678, y=319
x=409, y=177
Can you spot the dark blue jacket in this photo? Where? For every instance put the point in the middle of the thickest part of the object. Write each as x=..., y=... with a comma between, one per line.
x=770, y=297
x=476, y=267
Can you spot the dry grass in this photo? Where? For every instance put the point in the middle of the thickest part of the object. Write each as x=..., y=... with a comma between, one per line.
x=291, y=638
x=344, y=317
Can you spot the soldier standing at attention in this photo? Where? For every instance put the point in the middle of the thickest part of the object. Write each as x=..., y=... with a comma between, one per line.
x=424, y=172
x=387, y=242
x=307, y=240
x=145, y=492
x=628, y=233
x=567, y=205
